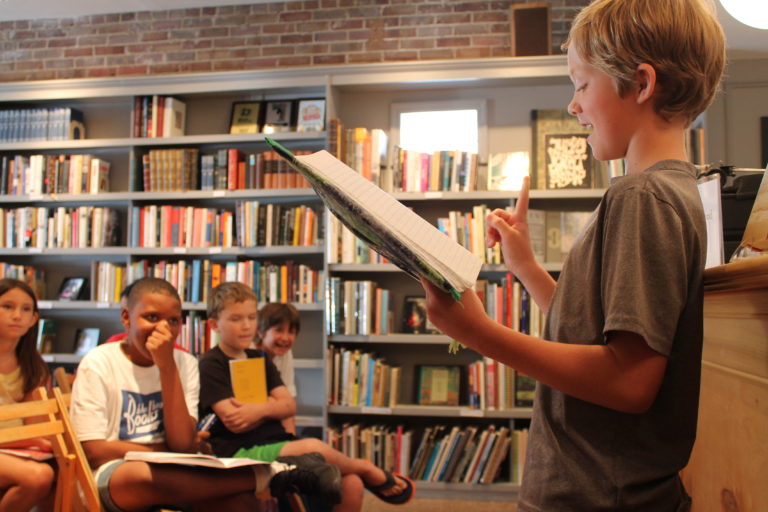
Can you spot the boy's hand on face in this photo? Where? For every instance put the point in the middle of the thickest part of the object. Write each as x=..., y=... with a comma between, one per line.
x=511, y=231
x=160, y=344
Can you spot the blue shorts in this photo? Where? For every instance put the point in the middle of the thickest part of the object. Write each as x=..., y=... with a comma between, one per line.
x=103, y=475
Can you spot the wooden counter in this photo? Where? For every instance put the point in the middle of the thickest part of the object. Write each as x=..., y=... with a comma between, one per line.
x=728, y=470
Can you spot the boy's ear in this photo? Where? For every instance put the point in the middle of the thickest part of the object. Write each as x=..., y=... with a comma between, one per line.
x=645, y=79
x=125, y=318
x=214, y=323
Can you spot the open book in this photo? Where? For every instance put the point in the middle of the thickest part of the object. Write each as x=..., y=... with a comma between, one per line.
x=191, y=459
x=385, y=224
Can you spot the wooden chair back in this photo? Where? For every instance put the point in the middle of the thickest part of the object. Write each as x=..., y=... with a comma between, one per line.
x=63, y=379
x=48, y=417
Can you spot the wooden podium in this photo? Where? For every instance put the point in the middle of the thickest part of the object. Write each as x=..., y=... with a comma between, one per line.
x=728, y=470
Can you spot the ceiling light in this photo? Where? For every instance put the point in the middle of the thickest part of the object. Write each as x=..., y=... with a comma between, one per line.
x=748, y=12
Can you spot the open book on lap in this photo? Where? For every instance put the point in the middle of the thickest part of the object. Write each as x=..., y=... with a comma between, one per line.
x=385, y=224
x=191, y=459
x=28, y=453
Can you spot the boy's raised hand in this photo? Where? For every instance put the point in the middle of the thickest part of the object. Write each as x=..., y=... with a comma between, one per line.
x=511, y=231
x=160, y=344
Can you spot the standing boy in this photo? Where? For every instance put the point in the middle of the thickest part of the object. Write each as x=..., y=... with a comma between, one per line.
x=141, y=395
x=254, y=430
x=615, y=412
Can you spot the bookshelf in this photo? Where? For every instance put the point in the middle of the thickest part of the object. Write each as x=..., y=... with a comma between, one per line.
x=360, y=95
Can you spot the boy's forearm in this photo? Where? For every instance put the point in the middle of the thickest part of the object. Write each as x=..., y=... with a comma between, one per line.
x=179, y=427
x=539, y=283
x=99, y=452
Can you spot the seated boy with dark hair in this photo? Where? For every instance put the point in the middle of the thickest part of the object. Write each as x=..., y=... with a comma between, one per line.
x=254, y=430
x=141, y=395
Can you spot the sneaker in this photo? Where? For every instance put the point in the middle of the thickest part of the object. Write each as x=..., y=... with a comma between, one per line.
x=308, y=474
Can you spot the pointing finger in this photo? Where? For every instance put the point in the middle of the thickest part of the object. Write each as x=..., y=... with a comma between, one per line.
x=521, y=208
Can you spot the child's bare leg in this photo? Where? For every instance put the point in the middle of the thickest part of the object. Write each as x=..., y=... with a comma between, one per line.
x=26, y=483
x=351, y=494
x=365, y=469
x=138, y=485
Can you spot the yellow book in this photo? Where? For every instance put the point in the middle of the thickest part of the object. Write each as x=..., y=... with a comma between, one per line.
x=249, y=379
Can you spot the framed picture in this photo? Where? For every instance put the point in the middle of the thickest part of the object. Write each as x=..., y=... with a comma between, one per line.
x=72, y=288
x=86, y=339
x=278, y=116
x=438, y=385
x=415, y=316
x=245, y=117
x=311, y=116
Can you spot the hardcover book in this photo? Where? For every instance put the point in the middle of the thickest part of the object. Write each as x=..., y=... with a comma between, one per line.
x=385, y=224
x=192, y=459
x=249, y=379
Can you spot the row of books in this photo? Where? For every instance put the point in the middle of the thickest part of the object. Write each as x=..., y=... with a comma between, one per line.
x=53, y=174
x=361, y=379
x=272, y=282
x=495, y=386
x=357, y=307
x=188, y=226
x=30, y=124
x=448, y=171
x=553, y=232
x=231, y=169
x=342, y=246
x=468, y=229
x=468, y=454
x=510, y=304
x=387, y=447
x=41, y=227
x=158, y=116
x=34, y=277
x=170, y=170
x=266, y=224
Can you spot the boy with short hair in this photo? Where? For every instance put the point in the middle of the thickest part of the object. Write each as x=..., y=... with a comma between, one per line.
x=254, y=430
x=615, y=412
x=141, y=395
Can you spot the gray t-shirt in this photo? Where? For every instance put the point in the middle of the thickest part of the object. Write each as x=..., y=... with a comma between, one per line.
x=637, y=267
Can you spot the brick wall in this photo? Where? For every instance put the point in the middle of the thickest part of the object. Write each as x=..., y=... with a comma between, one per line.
x=293, y=33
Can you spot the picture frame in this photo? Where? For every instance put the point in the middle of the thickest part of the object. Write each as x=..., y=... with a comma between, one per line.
x=86, y=339
x=530, y=29
x=278, y=116
x=311, y=115
x=73, y=288
x=415, y=319
x=245, y=117
x=438, y=384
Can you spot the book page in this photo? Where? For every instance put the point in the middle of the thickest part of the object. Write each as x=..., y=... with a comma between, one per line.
x=191, y=459
x=249, y=379
x=458, y=265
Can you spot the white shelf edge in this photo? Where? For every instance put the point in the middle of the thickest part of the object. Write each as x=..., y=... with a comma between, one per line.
x=424, y=339
x=433, y=411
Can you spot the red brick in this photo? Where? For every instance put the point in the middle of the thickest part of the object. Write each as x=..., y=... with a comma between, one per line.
x=295, y=38
x=260, y=63
x=195, y=67
x=58, y=63
x=452, y=19
x=132, y=70
x=91, y=62
x=470, y=6
x=150, y=58
x=292, y=17
x=48, y=53
x=62, y=43
x=453, y=41
x=154, y=36
x=24, y=65
x=94, y=40
x=214, y=32
x=435, y=54
x=298, y=60
x=330, y=36
x=21, y=35
x=490, y=40
x=473, y=53
x=228, y=42
x=109, y=50
x=181, y=56
x=346, y=24
x=276, y=29
x=400, y=10
x=161, y=69
x=400, y=56
x=123, y=39
x=274, y=51
x=69, y=74
x=485, y=17
x=416, y=20
x=29, y=45
x=416, y=44
x=228, y=65
x=330, y=14
x=78, y=52
x=327, y=59
x=470, y=29
x=364, y=58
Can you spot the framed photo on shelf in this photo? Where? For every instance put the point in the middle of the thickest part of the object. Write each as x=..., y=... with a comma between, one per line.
x=245, y=117
x=278, y=116
x=86, y=339
x=415, y=316
x=438, y=385
x=311, y=116
x=73, y=288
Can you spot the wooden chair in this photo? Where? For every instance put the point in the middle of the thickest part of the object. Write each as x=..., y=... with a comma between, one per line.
x=51, y=420
x=63, y=379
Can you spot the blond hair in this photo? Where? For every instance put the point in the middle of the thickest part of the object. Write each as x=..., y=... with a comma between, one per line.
x=681, y=39
x=227, y=293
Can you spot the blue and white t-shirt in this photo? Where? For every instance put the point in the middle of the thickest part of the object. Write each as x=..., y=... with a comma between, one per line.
x=116, y=400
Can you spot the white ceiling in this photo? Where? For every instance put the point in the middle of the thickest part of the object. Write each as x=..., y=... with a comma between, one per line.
x=743, y=41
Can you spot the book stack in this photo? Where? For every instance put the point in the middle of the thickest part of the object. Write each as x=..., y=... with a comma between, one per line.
x=170, y=170
x=387, y=447
x=53, y=174
x=34, y=277
x=27, y=124
x=55, y=228
x=510, y=304
x=361, y=379
x=231, y=169
x=494, y=386
x=286, y=282
x=158, y=116
x=357, y=307
x=268, y=224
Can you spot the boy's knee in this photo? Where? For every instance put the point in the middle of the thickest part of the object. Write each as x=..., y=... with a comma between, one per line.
x=37, y=478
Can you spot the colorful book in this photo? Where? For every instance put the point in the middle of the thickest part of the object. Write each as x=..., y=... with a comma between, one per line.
x=249, y=379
